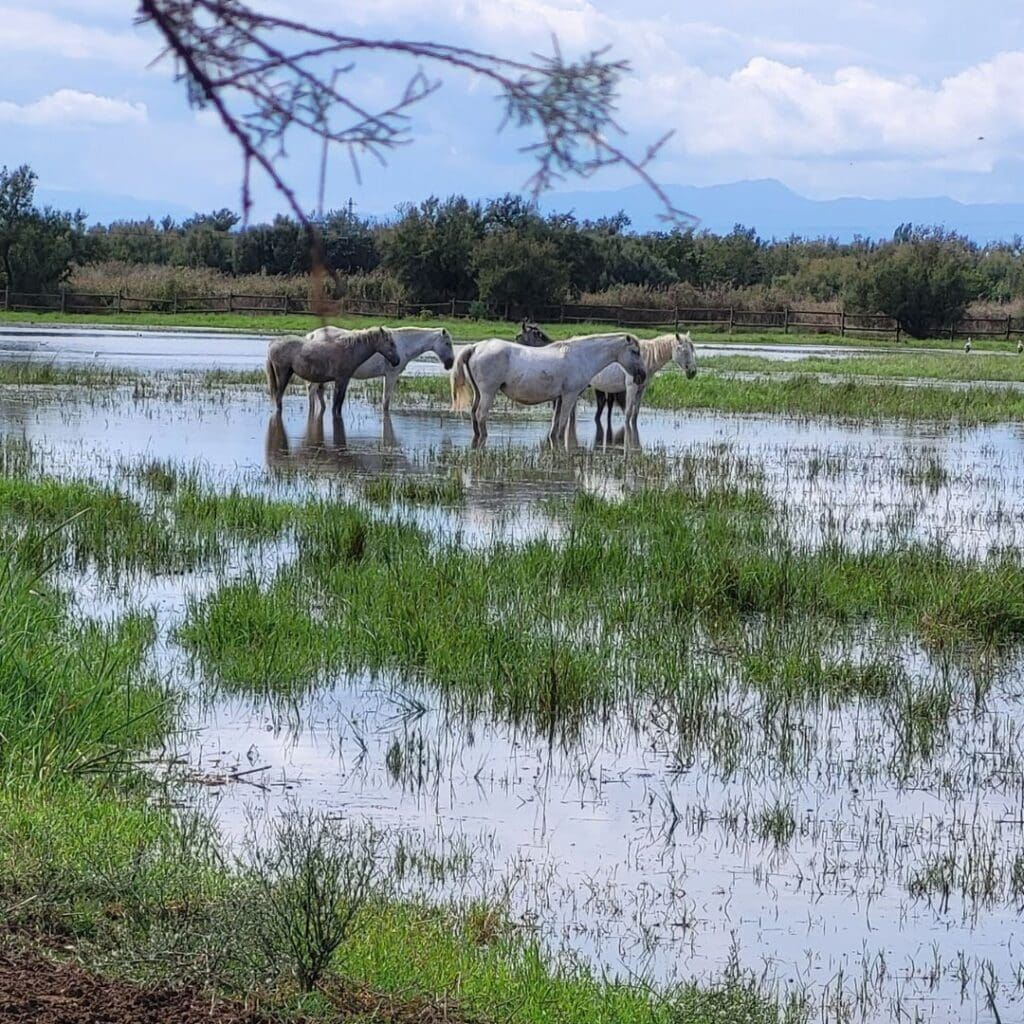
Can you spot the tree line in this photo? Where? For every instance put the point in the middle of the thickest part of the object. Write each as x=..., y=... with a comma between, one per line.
x=505, y=251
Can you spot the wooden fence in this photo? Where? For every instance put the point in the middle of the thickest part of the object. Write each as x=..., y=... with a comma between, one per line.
x=680, y=317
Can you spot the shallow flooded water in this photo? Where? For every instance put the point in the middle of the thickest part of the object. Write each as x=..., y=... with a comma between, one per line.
x=811, y=845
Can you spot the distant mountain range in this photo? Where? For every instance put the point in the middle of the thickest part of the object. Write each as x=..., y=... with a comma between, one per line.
x=778, y=212
x=774, y=210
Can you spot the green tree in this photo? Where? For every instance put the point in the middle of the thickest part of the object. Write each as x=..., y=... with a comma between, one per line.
x=519, y=268
x=430, y=249
x=37, y=247
x=17, y=190
x=925, y=278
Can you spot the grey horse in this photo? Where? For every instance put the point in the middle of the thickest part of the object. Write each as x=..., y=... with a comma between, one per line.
x=322, y=360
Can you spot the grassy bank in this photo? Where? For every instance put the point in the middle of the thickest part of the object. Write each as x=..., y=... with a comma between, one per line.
x=951, y=366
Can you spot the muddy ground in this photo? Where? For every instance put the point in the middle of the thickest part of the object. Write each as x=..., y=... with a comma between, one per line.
x=39, y=990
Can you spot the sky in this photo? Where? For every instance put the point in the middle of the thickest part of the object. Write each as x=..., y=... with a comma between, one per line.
x=847, y=98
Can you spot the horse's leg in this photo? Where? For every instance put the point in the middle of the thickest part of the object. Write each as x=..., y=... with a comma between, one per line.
x=390, y=385
x=340, y=387
x=561, y=420
x=483, y=408
x=634, y=395
x=599, y=395
x=283, y=377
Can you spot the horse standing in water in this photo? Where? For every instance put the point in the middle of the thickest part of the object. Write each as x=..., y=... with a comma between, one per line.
x=410, y=342
x=612, y=386
x=319, y=361
x=557, y=373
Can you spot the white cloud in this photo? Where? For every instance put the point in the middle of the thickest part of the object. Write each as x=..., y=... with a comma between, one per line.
x=28, y=31
x=68, y=108
x=771, y=109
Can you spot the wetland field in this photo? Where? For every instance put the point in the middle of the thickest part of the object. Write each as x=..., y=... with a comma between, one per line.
x=719, y=721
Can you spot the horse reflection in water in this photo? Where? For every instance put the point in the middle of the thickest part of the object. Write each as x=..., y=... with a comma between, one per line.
x=317, y=453
x=626, y=437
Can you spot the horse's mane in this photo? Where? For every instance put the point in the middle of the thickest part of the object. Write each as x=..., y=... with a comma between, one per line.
x=362, y=335
x=657, y=351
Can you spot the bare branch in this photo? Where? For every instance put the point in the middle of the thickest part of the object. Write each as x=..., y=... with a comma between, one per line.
x=266, y=76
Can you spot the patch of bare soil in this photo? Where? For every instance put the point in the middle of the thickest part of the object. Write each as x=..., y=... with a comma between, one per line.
x=40, y=991
x=36, y=990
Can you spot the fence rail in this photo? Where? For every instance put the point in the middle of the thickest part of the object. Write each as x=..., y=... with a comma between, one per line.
x=709, y=318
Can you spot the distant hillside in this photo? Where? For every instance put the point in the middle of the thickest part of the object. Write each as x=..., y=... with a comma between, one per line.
x=767, y=205
x=776, y=211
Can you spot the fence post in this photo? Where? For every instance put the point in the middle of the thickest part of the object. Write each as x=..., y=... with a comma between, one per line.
x=952, y=332
x=7, y=297
x=231, y=302
x=785, y=320
x=842, y=323
x=1009, y=317
x=897, y=332
x=732, y=318
x=63, y=298
x=174, y=300
x=453, y=309
x=117, y=301
x=561, y=314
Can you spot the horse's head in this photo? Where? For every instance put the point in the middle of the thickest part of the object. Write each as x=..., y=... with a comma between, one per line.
x=531, y=335
x=631, y=360
x=684, y=355
x=385, y=345
x=443, y=348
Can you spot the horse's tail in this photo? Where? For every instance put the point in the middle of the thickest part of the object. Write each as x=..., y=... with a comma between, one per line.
x=271, y=378
x=460, y=386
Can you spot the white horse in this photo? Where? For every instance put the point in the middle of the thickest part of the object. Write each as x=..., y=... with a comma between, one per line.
x=557, y=373
x=612, y=385
x=410, y=342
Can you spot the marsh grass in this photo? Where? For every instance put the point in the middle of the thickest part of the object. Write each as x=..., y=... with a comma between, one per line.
x=17, y=457
x=535, y=633
x=809, y=396
x=415, y=490
x=940, y=366
x=100, y=525
x=236, y=514
x=68, y=699
x=37, y=372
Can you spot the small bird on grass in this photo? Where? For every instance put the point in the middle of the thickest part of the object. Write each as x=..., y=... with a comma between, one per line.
x=967, y=345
